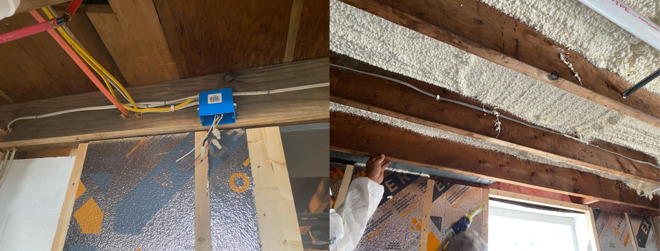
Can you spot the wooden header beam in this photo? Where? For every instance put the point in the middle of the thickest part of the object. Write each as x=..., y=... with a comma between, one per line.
x=483, y=31
x=398, y=101
x=357, y=135
x=306, y=106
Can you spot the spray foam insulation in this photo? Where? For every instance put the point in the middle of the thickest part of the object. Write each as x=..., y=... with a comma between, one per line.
x=378, y=42
x=602, y=42
x=133, y=195
x=644, y=233
x=613, y=231
x=396, y=224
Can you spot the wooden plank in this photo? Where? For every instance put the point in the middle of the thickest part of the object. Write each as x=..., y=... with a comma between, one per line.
x=69, y=199
x=313, y=40
x=202, y=203
x=395, y=100
x=306, y=106
x=473, y=26
x=28, y=5
x=211, y=36
x=46, y=153
x=652, y=179
x=278, y=223
x=294, y=23
x=357, y=135
x=630, y=232
x=134, y=25
x=618, y=207
x=426, y=215
x=484, y=221
x=343, y=188
x=655, y=222
x=35, y=67
x=591, y=223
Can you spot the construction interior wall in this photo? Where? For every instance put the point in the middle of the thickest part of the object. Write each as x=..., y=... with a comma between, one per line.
x=31, y=198
x=133, y=195
x=613, y=231
x=231, y=191
x=397, y=222
x=644, y=233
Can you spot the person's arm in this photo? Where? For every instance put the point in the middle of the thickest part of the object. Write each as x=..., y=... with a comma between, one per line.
x=362, y=199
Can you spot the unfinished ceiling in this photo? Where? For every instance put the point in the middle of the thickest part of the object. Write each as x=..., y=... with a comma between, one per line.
x=148, y=43
x=360, y=35
x=602, y=42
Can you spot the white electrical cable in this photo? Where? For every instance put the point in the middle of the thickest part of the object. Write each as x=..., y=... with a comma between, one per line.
x=215, y=123
x=282, y=90
x=437, y=97
x=152, y=104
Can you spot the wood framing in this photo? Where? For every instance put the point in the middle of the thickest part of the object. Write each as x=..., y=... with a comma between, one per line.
x=294, y=23
x=395, y=100
x=134, y=25
x=69, y=199
x=357, y=135
x=426, y=215
x=484, y=227
x=539, y=201
x=343, y=188
x=306, y=106
x=630, y=232
x=202, y=203
x=276, y=212
x=28, y=5
x=483, y=31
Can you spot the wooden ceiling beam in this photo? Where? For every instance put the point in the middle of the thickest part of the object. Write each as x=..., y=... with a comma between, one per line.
x=395, y=100
x=483, y=31
x=357, y=135
x=307, y=106
x=134, y=37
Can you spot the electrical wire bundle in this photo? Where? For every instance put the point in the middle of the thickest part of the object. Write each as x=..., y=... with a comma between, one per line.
x=110, y=81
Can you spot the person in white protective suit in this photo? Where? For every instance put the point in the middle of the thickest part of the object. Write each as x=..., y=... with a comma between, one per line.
x=348, y=223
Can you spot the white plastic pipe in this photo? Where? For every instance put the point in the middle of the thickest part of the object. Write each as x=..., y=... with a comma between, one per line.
x=8, y=7
x=628, y=19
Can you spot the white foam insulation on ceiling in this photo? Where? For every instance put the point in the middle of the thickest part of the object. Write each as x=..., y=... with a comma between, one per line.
x=378, y=42
x=602, y=42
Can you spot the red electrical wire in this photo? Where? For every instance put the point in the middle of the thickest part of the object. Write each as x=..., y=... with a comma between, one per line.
x=81, y=64
x=28, y=31
x=73, y=6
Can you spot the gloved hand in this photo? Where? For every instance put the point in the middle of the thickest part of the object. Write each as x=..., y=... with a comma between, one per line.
x=376, y=168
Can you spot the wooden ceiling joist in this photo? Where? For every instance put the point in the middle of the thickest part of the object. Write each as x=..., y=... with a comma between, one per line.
x=134, y=37
x=357, y=135
x=305, y=106
x=483, y=31
x=395, y=100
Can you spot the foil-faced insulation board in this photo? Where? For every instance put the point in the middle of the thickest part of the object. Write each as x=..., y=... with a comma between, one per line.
x=396, y=224
x=337, y=172
x=231, y=186
x=644, y=233
x=133, y=195
x=613, y=231
x=450, y=203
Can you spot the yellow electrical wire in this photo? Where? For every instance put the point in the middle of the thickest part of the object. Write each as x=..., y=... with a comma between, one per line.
x=101, y=71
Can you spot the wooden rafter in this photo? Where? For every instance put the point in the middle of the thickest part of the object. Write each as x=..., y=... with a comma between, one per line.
x=357, y=135
x=395, y=100
x=483, y=31
x=305, y=106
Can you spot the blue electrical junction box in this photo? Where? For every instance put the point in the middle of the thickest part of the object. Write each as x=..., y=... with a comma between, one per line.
x=218, y=102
